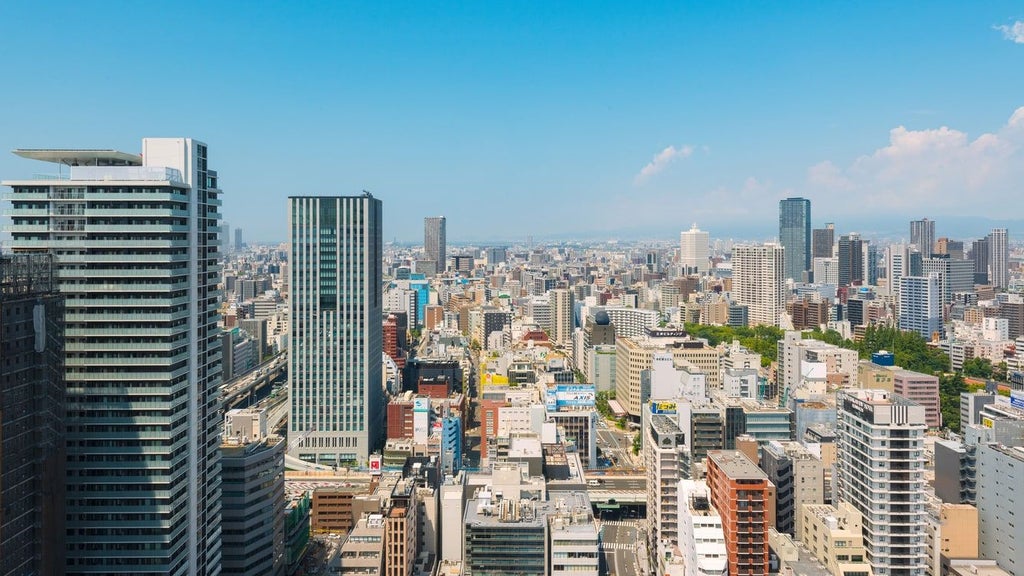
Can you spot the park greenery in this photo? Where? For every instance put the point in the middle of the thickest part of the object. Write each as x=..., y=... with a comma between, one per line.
x=910, y=351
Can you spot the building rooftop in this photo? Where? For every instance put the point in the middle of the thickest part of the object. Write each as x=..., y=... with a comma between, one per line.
x=736, y=465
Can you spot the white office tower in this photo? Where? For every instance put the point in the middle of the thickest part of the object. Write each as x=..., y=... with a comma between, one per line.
x=136, y=238
x=880, y=471
x=561, y=315
x=435, y=241
x=701, y=537
x=897, y=265
x=694, y=245
x=335, y=342
x=758, y=281
x=998, y=258
x=921, y=305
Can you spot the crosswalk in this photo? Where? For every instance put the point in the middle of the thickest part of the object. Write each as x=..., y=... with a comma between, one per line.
x=628, y=523
x=618, y=546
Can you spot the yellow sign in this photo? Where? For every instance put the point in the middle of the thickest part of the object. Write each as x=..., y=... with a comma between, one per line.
x=986, y=422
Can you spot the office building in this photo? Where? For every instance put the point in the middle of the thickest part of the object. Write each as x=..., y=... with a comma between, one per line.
x=795, y=237
x=799, y=479
x=922, y=235
x=135, y=237
x=32, y=449
x=253, y=506
x=562, y=316
x=1001, y=506
x=504, y=535
x=920, y=305
x=744, y=497
x=955, y=276
x=759, y=281
x=952, y=533
x=850, y=255
x=999, y=258
x=238, y=239
x=335, y=343
x=980, y=258
x=694, y=246
x=880, y=472
x=922, y=389
x=822, y=241
x=435, y=242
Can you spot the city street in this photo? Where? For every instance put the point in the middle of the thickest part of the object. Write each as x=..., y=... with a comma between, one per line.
x=616, y=445
x=620, y=545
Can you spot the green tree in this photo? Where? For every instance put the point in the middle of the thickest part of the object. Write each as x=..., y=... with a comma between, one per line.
x=637, y=441
x=978, y=368
x=950, y=387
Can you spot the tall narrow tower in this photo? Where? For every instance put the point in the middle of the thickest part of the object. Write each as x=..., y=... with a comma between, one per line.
x=335, y=341
x=795, y=236
x=136, y=241
x=922, y=235
x=435, y=242
x=999, y=258
x=694, y=246
x=759, y=281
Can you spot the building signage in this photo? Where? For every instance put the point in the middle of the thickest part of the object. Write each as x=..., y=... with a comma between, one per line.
x=1017, y=399
x=570, y=396
x=663, y=407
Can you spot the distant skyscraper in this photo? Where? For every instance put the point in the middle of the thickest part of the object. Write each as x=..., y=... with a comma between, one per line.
x=880, y=443
x=851, y=259
x=435, y=242
x=922, y=235
x=999, y=258
x=335, y=342
x=136, y=241
x=822, y=240
x=758, y=281
x=32, y=443
x=980, y=256
x=795, y=236
x=921, y=305
x=694, y=246
x=238, y=239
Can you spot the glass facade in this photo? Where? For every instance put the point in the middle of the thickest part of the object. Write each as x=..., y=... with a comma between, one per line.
x=795, y=236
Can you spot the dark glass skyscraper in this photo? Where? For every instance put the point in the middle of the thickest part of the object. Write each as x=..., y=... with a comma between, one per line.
x=32, y=453
x=435, y=242
x=795, y=236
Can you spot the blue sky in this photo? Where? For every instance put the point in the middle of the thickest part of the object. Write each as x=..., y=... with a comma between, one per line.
x=543, y=118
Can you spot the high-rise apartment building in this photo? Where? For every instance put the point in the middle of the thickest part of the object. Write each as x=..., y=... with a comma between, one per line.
x=335, y=341
x=136, y=240
x=664, y=459
x=920, y=305
x=795, y=237
x=759, y=281
x=435, y=242
x=922, y=235
x=880, y=471
x=799, y=479
x=744, y=497
x=823, y=240
x=32, y=449
x=998, y=258
x=1000, y=506
x=561, y=315
x=694, y=245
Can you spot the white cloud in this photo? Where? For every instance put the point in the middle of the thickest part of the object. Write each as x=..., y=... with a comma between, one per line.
x=1013, y=32
x=661, y=161
x=941, y=169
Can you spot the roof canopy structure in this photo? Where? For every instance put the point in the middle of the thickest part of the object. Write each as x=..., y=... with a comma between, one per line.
x=70, y=157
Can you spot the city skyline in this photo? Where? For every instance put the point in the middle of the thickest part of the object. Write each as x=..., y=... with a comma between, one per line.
x=591, y=113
